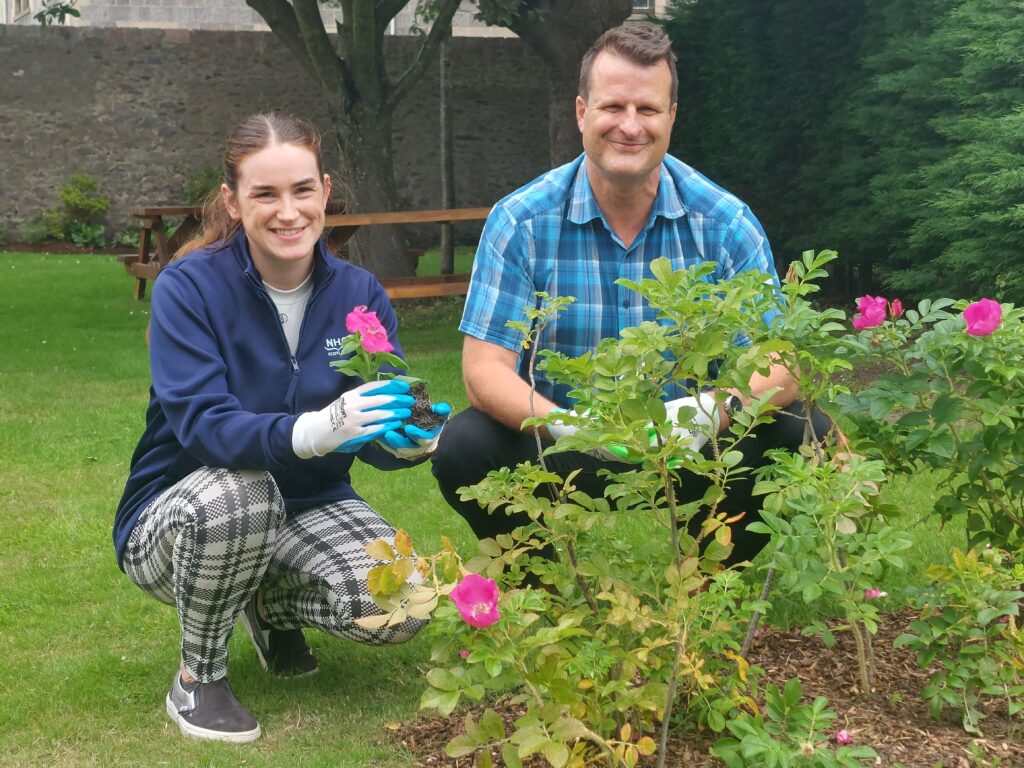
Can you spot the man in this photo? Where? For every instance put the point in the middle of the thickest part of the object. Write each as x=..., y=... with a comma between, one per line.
x=573, y=232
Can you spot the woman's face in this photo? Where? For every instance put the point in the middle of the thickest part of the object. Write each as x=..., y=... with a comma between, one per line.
x=280, y=203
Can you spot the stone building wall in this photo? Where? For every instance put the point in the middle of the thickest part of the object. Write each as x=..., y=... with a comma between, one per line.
x=142, y=110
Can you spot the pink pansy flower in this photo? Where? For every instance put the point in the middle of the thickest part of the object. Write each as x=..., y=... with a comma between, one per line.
x=477, y=600
x=983, y=317
x=874, y=594
x=372, y=336
x=895, y=308
x=872, y=312
x=844, y=737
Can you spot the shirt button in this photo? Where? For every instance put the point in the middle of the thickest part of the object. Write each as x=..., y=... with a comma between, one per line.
x=625, y=304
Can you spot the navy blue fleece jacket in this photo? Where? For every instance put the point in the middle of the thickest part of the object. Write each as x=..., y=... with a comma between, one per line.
x=226, y=389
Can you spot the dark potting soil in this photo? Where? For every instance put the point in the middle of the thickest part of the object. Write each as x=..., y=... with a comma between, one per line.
x=423, y=415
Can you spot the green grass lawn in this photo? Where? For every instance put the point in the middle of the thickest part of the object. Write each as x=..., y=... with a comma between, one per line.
x=87, y=657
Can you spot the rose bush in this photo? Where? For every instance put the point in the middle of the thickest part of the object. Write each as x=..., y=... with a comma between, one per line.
x=638, y=625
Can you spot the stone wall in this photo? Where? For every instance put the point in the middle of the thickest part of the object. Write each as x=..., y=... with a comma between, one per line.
x=142, y=110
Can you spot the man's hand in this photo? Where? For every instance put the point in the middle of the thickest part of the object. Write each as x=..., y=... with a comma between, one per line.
x=410, y=442
x=354, y=419
x=559, y=429
x=698, y=425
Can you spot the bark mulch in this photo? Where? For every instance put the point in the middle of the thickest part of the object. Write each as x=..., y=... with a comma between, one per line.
x=892, y=719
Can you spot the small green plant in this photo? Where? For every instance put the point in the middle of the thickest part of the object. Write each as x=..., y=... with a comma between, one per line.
x=87, y=235
x=970, y=627
x=204, y=181
x=34, y=230
x=129, y=237
x=789, y=734
x=81, y=209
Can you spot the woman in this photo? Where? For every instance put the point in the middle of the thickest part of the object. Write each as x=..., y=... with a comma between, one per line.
x=238, y=503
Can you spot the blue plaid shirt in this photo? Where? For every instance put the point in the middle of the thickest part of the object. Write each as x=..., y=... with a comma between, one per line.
x=551, y=236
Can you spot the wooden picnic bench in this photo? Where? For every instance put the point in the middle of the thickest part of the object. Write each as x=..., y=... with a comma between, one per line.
x=156, y=248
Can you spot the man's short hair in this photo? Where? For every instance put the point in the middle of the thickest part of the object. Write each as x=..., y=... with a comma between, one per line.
x=643, y=44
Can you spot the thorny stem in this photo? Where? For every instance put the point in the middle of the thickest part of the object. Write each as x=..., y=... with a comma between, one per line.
x=570, y=549
x=862, y=659
x=748, y=638
x=556, y=492
x=670, y=696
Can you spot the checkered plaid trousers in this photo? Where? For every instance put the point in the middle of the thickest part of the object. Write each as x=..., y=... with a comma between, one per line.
x=207, y=544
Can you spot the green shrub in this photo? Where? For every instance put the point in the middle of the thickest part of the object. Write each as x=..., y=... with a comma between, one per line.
x=81, y=206
x=201, y=183
x=82, y=200
x=34, y=230
x=87, y=235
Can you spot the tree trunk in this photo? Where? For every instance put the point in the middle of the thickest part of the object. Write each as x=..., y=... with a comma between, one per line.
x=564, y=142
x=447, y=159
x=560, y=32
x=365, y=151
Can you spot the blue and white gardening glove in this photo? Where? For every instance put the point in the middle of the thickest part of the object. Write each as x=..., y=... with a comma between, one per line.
x=558, y=429
x=354, y=419
x=410, y=442
x=697, y=427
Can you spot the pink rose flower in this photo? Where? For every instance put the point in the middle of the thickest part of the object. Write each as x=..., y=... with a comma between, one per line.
x=844, y=737
x=983, y=317
x=895, y=308
x=477, y=600
x=872, y=312
x=372, y=336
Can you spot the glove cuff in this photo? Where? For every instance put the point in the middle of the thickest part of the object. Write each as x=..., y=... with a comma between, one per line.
x=303, y=436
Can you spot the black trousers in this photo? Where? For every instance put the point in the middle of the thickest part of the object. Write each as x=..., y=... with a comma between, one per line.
x=473, y=444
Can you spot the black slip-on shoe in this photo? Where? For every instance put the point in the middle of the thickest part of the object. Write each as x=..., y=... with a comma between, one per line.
x=210, y=711
x=282, y=652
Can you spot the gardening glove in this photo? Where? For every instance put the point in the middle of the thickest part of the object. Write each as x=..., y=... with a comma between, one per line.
x=354, y=419
x=411, y=442
x=557, y=430
x=699, y=426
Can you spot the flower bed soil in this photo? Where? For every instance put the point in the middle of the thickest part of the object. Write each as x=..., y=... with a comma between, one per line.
x=892, y=719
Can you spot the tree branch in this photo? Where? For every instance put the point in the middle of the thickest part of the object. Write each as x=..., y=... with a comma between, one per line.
x=425, y=53
x=329, y=69
x=280, y=17
x=387, y=10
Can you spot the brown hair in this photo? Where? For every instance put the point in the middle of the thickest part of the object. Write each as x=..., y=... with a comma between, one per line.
x=643, y=44
x=253, y=134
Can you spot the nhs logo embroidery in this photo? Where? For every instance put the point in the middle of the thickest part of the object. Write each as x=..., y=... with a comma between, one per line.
x=333, y=347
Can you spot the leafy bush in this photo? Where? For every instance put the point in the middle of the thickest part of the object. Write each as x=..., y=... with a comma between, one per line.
x=970, y=627
x=626, y=638
x=81, y=211
x=34, y=230
x=788, y=733
x=87, y=235
x=202, y=183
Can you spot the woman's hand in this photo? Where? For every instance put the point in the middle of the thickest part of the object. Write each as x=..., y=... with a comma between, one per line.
x=353, y=420
x=410, y=442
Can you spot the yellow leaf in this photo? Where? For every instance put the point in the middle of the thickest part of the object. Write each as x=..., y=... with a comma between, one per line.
x=403, y=542
x=372, y=622
x=380, y=550
x=401, y=570
x=646, y=746
x=625, y=732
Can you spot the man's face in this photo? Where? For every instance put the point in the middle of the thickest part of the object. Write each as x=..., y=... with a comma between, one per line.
x=627, y=118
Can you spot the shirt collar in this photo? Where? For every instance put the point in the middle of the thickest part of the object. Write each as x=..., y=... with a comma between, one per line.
x=583, y=207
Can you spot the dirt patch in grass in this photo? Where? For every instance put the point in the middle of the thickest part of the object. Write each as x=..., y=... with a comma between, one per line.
x=892, y=719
